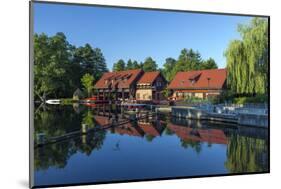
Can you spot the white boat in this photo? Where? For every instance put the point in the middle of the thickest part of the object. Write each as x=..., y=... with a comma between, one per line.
x=53, y=101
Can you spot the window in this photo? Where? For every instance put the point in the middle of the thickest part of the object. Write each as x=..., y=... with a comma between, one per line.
x=159, y=84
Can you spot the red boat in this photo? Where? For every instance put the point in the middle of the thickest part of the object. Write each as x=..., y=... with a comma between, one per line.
x=94, y=100
x=90, y=105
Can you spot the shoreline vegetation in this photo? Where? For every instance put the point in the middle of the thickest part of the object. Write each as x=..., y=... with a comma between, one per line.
x=61, y=68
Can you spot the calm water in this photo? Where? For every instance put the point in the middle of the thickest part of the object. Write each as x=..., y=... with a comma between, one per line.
x=152, y=147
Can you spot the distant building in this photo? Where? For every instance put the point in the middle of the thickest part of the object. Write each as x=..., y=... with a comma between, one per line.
x=120, y=85
x=150, y=86
x=199, y=83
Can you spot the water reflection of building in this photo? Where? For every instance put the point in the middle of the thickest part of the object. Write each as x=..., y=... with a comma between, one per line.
x=102, y=120
x=199, y=135
x=140, y=128
x=152, y=129
x=129, y=129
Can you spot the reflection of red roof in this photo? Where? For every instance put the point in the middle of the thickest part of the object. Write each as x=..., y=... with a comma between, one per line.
x=183, y=132
x=149, y=129
x=203, y=135
x=199, y=79
x=120, y=79
x=102, y=120
x=148, y=77
x=213, y=136
x=128, y=129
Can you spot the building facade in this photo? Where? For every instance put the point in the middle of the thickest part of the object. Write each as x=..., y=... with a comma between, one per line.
x=131, y=84
x=150, y=87
x=199, y=83
x=119, y=85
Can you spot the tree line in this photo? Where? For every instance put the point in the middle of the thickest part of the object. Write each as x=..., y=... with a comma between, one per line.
x=59, y=66
x=187, y=60
x=148, y=65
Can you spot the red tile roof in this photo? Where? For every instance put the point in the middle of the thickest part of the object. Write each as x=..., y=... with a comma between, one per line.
x=120, y=79
x=149, y=77
x=199, y=79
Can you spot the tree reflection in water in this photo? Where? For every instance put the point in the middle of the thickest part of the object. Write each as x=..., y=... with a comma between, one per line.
x=246, y=154
x=58, y=122
x=246, y=149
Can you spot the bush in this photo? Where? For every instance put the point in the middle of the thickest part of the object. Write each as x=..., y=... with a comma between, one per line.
x=230, y=97
x=260, y=98
x=225, y=96
x=194, y=100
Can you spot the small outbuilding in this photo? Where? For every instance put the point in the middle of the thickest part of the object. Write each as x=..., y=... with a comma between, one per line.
x=78, y=94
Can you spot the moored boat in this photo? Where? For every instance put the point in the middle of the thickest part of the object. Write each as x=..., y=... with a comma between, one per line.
x=53, y=101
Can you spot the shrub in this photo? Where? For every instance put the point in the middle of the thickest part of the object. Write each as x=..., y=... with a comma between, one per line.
x=193, y=100
x=259, y=98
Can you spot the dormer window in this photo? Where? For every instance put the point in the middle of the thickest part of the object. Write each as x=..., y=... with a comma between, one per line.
x=194, y=78
x=192, y=81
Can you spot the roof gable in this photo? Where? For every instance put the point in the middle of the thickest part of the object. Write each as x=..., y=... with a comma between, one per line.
x=150, y=77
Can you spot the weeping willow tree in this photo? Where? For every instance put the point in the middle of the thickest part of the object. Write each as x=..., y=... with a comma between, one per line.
x=247, y=59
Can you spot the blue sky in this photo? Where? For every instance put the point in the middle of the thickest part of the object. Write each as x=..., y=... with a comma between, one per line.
x=137, y=34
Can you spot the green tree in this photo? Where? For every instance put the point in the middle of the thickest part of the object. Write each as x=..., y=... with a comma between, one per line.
x=87, y=81
x=188, y=60
x=168, y=68
x=136, y=65
x=166, y=92
x=120, y=65
x=90, y=60
x=209, y=64
x=129, y=65
x=247, y=59
x=59, y=66
x=149, y=65
x=51, y=58
x=140, y=65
